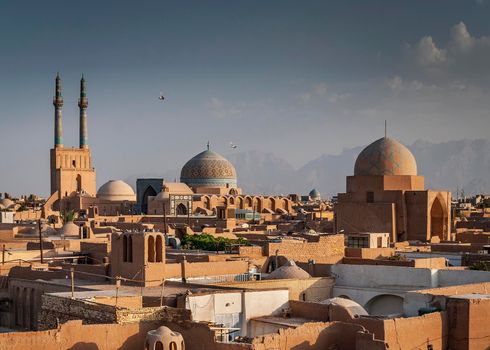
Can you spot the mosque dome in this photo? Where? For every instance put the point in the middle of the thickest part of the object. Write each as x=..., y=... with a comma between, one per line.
x=385, y=156
x=208, y=169
x=288, y=271
x=70, y=229
x=6, y=203
x=116, y=190
x=314, y=194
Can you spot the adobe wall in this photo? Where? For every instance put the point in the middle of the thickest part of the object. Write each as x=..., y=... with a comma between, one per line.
x=469, y=323
x=57, y=309
x=366, y=217
x=250, y=251
x=329, y=249
x=369, y=253
x=311, y=336
x=74, y=335
x=311, y=311
x=311, y=289
x=198, y=269
x=417, y=332
x=470, y=237
x=431, y=263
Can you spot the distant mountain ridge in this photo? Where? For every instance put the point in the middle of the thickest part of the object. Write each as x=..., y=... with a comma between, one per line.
x=463, y=164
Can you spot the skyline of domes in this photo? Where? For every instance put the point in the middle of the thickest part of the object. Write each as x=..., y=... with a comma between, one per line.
x=385, y=156
x=116, y=190
x=208, y=168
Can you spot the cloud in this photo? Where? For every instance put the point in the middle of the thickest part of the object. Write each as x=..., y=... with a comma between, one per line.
x=221, y=111
x=321, y=89
x=463, y=59
x=305, y=97
x=395, y=82
x=322, y=92
x=427, y=53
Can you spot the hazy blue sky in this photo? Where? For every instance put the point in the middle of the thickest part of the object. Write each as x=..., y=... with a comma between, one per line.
x=296, y=78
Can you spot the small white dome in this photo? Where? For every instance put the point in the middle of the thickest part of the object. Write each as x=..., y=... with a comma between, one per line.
x=6, y=203
x=116, y=190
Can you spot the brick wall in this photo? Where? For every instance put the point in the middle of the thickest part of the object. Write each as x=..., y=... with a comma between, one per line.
x=328, y=249
x=198, y=269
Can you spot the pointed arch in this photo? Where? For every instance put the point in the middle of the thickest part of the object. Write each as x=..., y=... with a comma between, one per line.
x=149, y=192
x=151, y=249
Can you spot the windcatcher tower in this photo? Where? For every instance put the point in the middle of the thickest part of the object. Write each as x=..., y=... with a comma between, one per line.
x=71, y=168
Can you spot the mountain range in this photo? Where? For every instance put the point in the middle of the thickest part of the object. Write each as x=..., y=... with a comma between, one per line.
x=452, y=165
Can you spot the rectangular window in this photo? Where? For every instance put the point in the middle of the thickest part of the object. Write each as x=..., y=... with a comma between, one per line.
x=358, y=242
x=370, y=197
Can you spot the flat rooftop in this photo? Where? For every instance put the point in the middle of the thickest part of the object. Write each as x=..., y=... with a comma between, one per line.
x=291, y=322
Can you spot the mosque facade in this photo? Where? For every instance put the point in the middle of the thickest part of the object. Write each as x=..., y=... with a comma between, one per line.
x=387, y=195
x=207, y=181
x=72, y=170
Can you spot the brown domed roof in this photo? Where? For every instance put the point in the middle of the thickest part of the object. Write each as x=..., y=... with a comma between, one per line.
x=288, y=271
x=116, y=190
x=385, y=156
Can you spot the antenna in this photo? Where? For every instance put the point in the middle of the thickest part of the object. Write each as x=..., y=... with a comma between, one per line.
x=208, y=145
x=385, y=128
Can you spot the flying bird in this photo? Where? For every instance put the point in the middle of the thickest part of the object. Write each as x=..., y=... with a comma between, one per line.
x=161, y=97
x=232, y=145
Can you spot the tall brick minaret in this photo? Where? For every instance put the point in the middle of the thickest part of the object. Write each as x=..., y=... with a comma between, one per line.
x=83, y=104
x=58, y=104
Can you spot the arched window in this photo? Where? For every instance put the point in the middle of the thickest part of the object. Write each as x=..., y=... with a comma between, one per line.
x=151, y=249
x=159, y=248
x=182, y=345
x=181, y=209
x=130, y=249
x=173, y=345
x=159, y=345
x=147, y=345
x=125, y=248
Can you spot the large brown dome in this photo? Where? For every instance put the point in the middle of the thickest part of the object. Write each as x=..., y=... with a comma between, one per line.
x=385, y=156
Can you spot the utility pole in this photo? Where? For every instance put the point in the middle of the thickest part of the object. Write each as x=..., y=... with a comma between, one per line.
x=72, y=273
x=40, y=241
x=164, y=220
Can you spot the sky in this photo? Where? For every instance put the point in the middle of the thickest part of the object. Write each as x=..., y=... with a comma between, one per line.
x=295, y=78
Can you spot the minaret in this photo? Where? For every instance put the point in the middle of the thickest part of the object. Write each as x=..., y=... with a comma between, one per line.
x=58, y=104
x=83, y=104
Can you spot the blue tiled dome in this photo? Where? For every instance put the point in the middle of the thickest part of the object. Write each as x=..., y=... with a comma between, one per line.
x=208, y=168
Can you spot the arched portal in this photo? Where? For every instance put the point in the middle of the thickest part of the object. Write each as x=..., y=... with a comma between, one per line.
x=149, y=192
x=437, y=219
x=385, y=304
x=181, y=209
